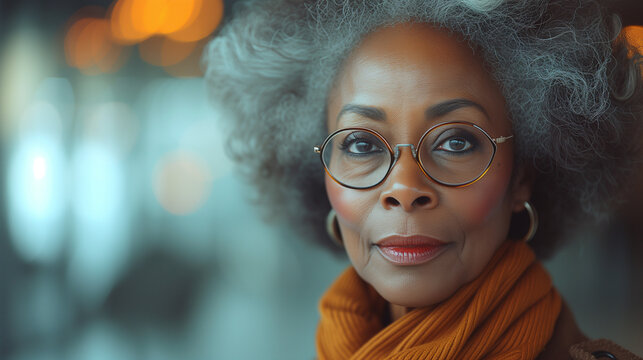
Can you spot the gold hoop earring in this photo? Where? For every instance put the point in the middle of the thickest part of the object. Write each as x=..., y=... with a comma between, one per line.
x=332, y=227
x=533, y=222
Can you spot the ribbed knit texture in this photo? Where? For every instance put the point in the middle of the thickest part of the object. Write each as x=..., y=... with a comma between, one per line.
x=507, y=312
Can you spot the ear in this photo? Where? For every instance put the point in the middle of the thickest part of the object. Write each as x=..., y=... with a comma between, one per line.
x=521, y=187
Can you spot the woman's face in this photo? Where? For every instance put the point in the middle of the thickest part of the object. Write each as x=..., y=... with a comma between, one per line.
x=415, y=241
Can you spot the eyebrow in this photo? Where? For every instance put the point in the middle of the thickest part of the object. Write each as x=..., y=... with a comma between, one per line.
x=437, y=110
x=366, y=111
x=445, y=107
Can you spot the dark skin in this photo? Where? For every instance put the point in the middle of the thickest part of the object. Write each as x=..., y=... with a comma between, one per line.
x=402, y=71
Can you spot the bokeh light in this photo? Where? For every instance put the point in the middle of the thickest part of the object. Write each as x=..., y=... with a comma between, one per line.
x=122, y=23
x=206, y=20
x=23, y=66
x=100, y=245
x=89, y=47
x=36, y=175
x=39, y=168
x=166, y=31
x=114, y=123
x=36, y=186
x=182, y=182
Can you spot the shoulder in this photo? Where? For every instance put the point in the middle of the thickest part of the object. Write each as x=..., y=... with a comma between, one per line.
x=569, y=343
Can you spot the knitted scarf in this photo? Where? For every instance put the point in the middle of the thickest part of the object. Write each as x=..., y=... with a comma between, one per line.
x=507, y=312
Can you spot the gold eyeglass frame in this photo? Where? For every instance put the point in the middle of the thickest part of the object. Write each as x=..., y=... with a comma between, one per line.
x=395, y=154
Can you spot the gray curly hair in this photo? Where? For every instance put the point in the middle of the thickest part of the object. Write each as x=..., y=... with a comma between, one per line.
x=571, y=83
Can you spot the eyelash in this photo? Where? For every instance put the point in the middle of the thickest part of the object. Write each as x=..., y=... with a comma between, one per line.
x=464, y=136
x=352, y=139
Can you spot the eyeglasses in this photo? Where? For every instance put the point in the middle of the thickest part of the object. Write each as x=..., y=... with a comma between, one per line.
x=452, y=154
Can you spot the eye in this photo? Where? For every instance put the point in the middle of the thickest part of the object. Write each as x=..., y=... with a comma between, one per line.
x=361, y=143
x=455, y=144
x=362, y=147
x=456, y=141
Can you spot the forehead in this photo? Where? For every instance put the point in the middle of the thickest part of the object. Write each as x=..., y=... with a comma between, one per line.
x=409, y=67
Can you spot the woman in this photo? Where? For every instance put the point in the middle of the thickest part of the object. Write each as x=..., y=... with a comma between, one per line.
x=446, y=124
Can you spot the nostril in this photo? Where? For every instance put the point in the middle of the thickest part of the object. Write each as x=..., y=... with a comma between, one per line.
x=392, y=201
x=422, y=200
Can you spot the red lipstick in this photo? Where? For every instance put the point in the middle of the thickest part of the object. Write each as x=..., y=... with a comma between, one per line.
x=410, y=250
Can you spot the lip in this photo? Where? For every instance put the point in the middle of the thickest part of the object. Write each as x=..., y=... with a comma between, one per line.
x=410, y=250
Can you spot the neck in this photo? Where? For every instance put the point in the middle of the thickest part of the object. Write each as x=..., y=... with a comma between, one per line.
x=397, y=311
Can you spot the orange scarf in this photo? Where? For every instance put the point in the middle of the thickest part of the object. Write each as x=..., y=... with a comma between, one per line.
x=507, y=312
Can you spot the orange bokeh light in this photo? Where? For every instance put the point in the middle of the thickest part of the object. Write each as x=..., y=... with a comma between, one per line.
x=98, y=39
x=74, y=54
x=122, y=24
x=89, y=46
x=167, y=31
x=184, y=20
x=208, y=17
x=147, y=16
x=180, y=13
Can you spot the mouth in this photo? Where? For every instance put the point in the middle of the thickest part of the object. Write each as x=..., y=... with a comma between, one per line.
x=410, y=250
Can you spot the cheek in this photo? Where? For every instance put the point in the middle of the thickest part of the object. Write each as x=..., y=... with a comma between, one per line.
x=485, y=198
x=351, y=205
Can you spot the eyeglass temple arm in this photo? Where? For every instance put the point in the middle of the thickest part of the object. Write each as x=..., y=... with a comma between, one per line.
x=500, y=140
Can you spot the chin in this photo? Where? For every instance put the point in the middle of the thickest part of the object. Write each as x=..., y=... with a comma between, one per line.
x=415, y=295
x=414, y=301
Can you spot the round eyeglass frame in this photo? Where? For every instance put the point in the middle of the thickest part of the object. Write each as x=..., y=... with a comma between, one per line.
x=395, y=154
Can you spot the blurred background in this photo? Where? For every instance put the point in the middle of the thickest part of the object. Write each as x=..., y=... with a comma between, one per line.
x=124, y=232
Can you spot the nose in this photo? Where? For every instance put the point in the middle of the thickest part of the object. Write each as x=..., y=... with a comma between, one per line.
x=407, y=187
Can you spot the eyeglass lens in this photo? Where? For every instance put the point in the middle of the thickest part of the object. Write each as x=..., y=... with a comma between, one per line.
x=452, y=154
